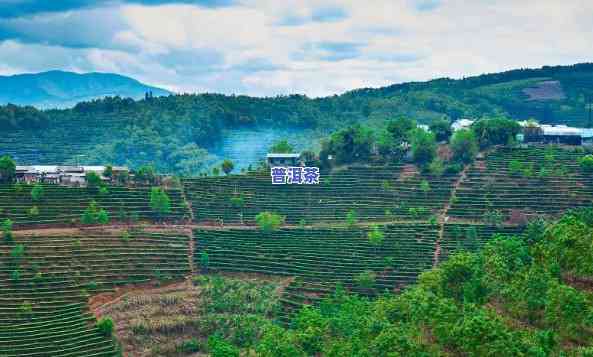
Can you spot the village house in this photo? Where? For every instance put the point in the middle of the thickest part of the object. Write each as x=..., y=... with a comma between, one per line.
x=65, y=175
x=288, y=159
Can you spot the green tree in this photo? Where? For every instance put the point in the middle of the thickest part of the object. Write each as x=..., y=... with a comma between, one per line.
x=281, y=147
x=515, y=168
x=586, y=163
x=37, y=192
x=441, y=129
x=7, y=230
x=93, y=180
x=351, y=144
x=400, y=129
x=424, y=147
x=366, y=279
x=495, y=131
x=146, y=174
x=90, y=214
x=375, y=236
x=33, y=211
x=425, y=187
x=218, y=347
x=351, y=218
x=102, y=217
x=464, y=146
x=159, y=201
x=268, y=221
x=7, y=169
x=227, y=166
x=108, y=172
x=105, y=326
x=204, y=261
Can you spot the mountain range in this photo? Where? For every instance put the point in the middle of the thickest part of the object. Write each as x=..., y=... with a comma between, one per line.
x=185, y=134
x=60, y=89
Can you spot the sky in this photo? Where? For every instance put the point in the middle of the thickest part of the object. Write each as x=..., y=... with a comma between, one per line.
x=276, y=47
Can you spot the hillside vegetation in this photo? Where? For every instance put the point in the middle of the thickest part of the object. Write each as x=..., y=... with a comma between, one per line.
x=175, y=132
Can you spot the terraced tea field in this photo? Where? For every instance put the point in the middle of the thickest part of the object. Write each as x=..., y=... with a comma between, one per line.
x=65, y=205
x=375, y=193
x=46, y=281
x=548, y=182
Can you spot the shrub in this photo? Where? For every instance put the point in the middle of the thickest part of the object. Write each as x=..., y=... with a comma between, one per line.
x=436, y=167
x=586, y=163
x=15, y=276
x=33, y=211
x=218, y=347
x=160, y=203
x=105, y=326
x=204, y=261
x=268, y=221
x=190, y=346
x=37, y=192
x=375, y=236
x=7, y=230
x=351, y=218
x=515, y=168
x=90, y=214
x=102, y=217
x=227, y=166
x=365, y=280
x=125, y=236
x=92, y=180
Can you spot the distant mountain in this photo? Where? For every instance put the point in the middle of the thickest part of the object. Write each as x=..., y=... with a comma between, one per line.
x=59, y=89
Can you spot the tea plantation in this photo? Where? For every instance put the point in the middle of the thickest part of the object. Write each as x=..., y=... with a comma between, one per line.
x=370, y=230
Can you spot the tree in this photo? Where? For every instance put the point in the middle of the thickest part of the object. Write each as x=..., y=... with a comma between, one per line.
x=425, y=187
x=146, y=174
x=495, y=131
x=464, y=146
x=105, y=326
x=515, y=168
x=215, y=171
x=7, y=169
x=268, y=221
x=227, y=166
x=375, y=236
x=351, y=144
x=366, y=279
x=281, y=147
x=351, y=218
x=204, y=261
x=7, y=230
x=33, y=211
x=586, y=163
x=102, y=217
x=424, y=147
x=401, y=128
x=159, y=201
x=90, y=214
x=37, y=192
x=93, y=180
x=441, y=129
x=108, y=172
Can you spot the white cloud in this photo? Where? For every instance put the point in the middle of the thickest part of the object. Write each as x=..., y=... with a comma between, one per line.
x=317, y=47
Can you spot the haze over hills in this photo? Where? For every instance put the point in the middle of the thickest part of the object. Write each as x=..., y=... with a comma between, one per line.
x=60, y=89
x=178, y=133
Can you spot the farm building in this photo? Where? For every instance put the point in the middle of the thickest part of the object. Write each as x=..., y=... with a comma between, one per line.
x=289, y=159
x=462, y=124
x=67, y=175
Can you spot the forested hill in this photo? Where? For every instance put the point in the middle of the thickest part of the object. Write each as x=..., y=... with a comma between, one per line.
x=59, y=89
x=172, y=132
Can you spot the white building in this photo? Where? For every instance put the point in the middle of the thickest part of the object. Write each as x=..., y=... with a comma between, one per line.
x=462, y=124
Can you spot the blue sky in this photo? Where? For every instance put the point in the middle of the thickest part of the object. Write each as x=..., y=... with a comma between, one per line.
x=313, y=47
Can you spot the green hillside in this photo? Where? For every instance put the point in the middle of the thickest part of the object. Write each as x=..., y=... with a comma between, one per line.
x=176, y=132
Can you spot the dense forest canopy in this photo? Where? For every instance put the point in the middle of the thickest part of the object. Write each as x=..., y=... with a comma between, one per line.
x=176, y=132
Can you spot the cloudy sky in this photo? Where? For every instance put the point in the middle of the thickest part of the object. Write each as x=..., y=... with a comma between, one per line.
x=269, y=47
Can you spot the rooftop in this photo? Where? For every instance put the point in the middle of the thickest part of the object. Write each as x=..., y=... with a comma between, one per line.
x=283, y=156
